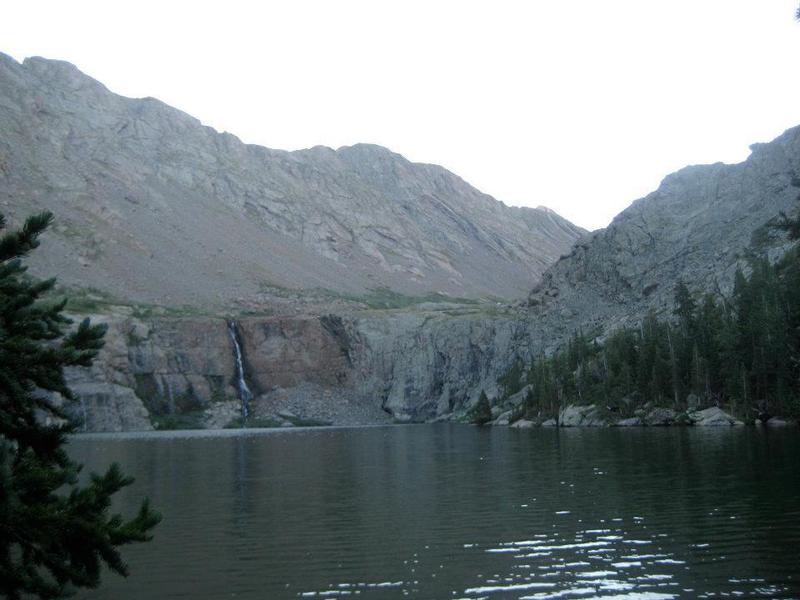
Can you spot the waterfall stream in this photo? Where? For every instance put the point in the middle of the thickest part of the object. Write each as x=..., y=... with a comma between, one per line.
x=245, y=395
x=170, y=396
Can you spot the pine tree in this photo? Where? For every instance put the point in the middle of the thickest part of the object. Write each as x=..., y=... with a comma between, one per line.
x=791, y=225
x=482, y=412
x=54, y=534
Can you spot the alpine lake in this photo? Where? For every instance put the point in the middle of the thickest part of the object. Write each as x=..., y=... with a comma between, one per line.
x=449, y=511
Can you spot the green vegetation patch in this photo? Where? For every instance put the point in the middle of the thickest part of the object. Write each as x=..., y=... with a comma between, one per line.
x=383, y=298
x=254, y=423
x=307, y=422
x=189, y=420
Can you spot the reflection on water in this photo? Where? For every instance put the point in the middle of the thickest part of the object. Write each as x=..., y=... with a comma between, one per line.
x=448, y=511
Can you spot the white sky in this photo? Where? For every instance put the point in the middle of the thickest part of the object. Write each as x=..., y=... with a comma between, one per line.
x=582, y=106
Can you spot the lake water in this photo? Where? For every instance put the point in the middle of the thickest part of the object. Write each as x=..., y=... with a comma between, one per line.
x=452, y=511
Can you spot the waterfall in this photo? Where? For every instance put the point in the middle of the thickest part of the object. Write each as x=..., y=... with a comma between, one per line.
x=245, y=395
x=170, y=397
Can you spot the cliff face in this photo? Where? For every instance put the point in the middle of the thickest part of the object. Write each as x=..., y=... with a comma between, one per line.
x=154, y=207
x=350, y=369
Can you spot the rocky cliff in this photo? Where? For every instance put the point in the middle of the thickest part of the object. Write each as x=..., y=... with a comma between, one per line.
x=154, y=207
x=362, y=368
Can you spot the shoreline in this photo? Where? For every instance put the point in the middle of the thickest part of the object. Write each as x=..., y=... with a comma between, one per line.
x=259, y=431
x=219, y=433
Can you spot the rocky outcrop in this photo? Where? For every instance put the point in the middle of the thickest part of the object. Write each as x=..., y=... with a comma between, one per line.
x=659, y=417
x=518, y=398
x=712, y=417
x=582, y=416
x=153, y=207
x=779, y=422
x=346, y=369
x=594, y=416
x=104, y=406
x=629, y=422
x=698, y=226
x=421, y=366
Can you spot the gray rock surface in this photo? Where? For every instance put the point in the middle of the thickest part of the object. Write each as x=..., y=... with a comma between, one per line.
x=154, y=207
x=630, y=422
x=220, y=414
x=519, y=397
x=713, y=417
x=503, y=419
x=104, y=406
x=343, y=369
x=660, y=417
x=779, y=422
x=581, y=416
x=308, y=403
x=420, y=365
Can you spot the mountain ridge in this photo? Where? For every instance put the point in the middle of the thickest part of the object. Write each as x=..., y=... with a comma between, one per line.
x=149, y=185
x=700, y=226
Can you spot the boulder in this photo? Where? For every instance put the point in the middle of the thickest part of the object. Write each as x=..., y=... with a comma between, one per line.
x=220, y=414
x=523, y=424
x=660, y=417
x=550, y=423
x=595, y=418
x=503, y=419
x=778, y=422
x=632, y=422
x=109, y=407
x=581, y=416
x=713, y=417
x=572, y=416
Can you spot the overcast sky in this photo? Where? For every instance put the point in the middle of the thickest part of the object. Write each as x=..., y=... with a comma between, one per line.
x=581, y=106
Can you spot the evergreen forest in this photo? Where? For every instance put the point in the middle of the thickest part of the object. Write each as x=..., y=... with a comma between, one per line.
x=740, y=352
